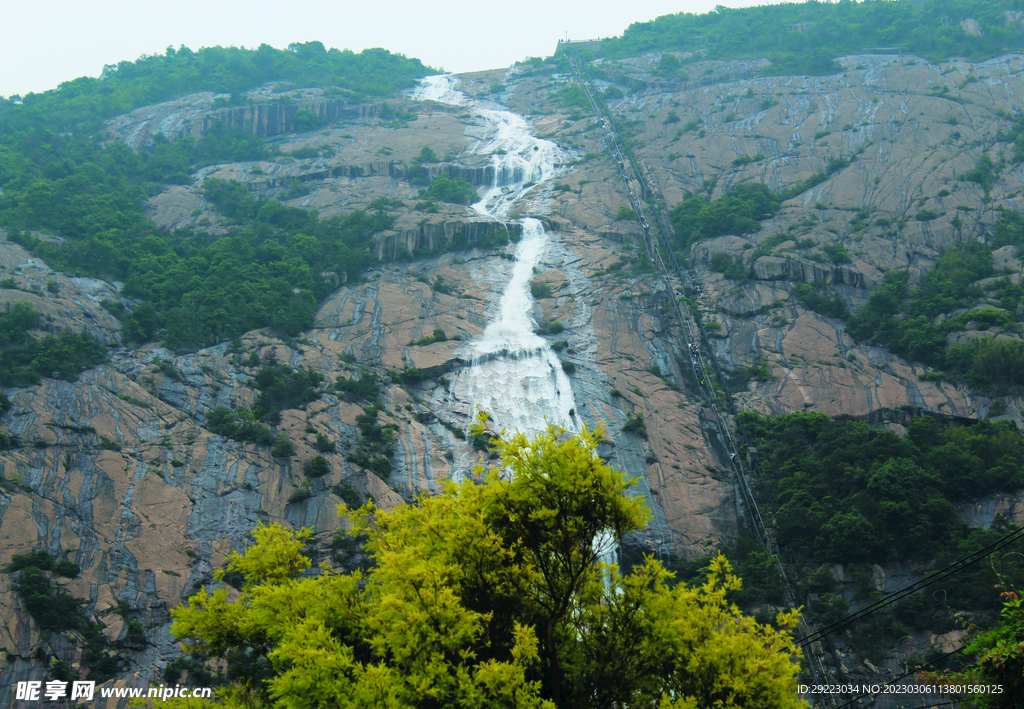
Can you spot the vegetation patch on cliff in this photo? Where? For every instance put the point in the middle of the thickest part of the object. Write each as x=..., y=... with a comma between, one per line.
x=848, y=494
x=196, y=289
x=57, y=611
x=916, y=322
x=376, y=445
x=738, y=211
x=282, y=387
x=452, y=190
x=24, y=359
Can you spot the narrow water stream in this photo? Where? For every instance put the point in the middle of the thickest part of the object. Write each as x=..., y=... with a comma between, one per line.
x=514, y=374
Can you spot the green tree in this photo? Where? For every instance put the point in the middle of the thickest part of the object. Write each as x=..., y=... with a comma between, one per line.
x=490, y=595
x=317, y=467
x=283, y=447
x=446, y=189
x=306, y=120
x=1000, y=663
x=668, y=64
x=427, y=154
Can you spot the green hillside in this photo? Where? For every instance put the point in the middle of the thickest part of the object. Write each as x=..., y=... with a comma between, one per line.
x=804, y=37
x=58, y=177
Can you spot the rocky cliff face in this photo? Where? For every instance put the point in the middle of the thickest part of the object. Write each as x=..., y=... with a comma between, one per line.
x=120, y=472
x=910, y=132
x=266, y=112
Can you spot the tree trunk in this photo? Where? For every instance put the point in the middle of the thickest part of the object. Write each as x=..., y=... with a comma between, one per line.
x=553, y=667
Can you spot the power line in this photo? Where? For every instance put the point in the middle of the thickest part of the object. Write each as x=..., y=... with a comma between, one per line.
x=904, y=676
x=949, y=570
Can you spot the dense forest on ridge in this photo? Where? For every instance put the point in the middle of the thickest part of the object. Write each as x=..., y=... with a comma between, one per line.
x=58, y=176
x=804, y=38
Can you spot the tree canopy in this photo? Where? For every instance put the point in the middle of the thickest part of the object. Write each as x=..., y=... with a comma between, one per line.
x=804, y=37
x=24, y=358
x=57, y=176
x=491, y=594
x=849, y=493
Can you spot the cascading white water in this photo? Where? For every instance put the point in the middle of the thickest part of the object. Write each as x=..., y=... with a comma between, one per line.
x=518, y=157
x=514, y=376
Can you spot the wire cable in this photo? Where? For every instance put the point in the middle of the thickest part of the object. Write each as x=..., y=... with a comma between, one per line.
x=904, y=676
x=935, y=576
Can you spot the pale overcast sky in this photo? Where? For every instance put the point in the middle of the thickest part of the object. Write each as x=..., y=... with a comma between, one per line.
x=45, y=42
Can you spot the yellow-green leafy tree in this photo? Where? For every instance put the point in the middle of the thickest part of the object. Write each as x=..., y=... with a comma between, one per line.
x=489, y=595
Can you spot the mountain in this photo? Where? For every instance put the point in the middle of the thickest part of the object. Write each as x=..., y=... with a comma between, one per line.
x=286, y=282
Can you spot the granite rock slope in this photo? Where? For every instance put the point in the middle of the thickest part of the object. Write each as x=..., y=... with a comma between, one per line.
x=896, y=139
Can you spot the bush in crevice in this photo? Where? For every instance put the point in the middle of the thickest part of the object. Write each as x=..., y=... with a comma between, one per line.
x=238, y=426
x=376, y=445
x=317, y=467
x=540, y=291
x=303, y=493
x=348, y=494
x=822, y=300
x=198, y=674
x=452, y=190
x=635, y=425
x=480, y=442
x=731, y=268
x=325, y=444
x=282, y=387
x=135, y=635
x=352, y=390
x=283, y=447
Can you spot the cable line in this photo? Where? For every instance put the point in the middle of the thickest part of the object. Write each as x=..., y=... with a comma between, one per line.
x=904, y=676
x=949, y=570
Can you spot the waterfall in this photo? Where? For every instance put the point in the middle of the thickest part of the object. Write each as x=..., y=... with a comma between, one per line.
x=514, y=375
x=524, y=387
